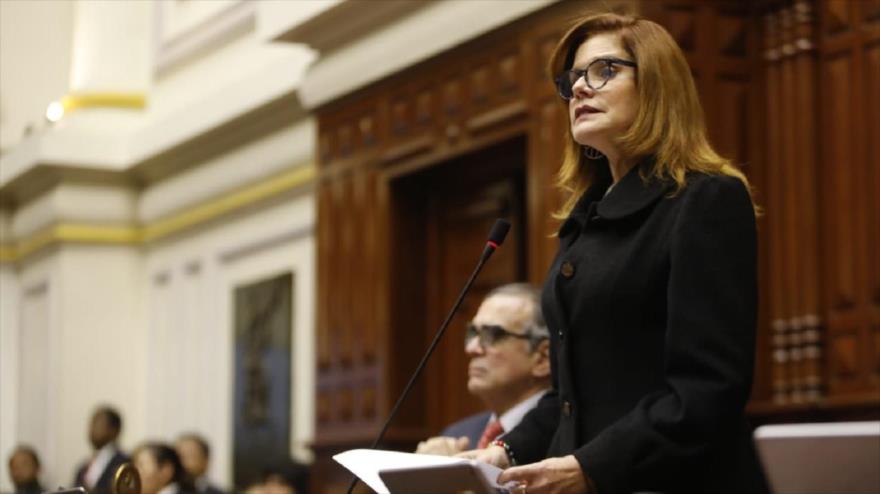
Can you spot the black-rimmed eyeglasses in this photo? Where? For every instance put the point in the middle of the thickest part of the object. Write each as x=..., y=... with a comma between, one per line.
x=490, y=334
x=597, y=74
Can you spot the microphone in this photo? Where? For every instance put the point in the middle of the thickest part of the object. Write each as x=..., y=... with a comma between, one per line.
x=496, y=238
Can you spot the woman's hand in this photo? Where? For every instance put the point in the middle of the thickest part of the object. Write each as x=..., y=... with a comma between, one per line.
x=551, y=476
x=493, y=455
x=444, y=446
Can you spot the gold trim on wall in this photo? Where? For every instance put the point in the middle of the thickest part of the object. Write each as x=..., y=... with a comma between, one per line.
x=228, y=203
x=75, y=101
x=7, y=254
x=75, y=233
x=179, y=222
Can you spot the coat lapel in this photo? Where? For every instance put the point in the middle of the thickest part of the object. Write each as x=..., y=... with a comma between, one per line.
x=632, y=193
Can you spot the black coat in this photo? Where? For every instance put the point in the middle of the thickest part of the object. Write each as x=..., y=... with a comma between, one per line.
x=651, y=304
x=105, y=481
x=33, y=487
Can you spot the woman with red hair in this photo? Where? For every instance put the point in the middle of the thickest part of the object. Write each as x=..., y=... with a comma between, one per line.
x=651, y=300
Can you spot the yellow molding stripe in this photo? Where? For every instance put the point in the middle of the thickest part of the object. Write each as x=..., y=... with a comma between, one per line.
x=76, y=101
x=73, y=232
x=229, y=202
x=98, y=234
x=7, y=253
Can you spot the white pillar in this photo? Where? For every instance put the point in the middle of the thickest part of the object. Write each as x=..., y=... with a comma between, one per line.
x=9, y=349
x=112, y=61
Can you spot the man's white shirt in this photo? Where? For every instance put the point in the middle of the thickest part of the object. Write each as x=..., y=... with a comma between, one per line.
x=99, y=464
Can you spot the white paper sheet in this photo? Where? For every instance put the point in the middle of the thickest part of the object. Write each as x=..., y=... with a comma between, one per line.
x=367, y=463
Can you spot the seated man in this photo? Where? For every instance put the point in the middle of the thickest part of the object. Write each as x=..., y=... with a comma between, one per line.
x=96, y=474
x=509, y=369
x=24, y=470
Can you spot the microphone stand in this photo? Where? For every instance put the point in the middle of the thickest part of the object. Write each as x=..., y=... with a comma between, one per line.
x=495, y=239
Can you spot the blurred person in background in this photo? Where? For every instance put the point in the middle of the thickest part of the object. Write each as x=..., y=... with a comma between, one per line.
x=96, y=474
x=283, y=477
x=160, y=469
x=195, y=455
x=24, y=470
x=509, y=369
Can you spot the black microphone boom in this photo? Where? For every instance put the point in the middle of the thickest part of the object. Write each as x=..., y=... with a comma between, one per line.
x=496, y=238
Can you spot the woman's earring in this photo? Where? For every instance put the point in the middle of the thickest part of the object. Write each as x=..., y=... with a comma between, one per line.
x=592, y=153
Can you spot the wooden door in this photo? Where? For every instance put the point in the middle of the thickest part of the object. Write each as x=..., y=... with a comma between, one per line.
x=460, y=201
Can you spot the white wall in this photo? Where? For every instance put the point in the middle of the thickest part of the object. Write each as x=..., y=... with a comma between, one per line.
x=9, y=309
x=276, y=16
x=190, y=281
x=31, y=351
x=35, y=39
x=71, y=339
x=100, y=333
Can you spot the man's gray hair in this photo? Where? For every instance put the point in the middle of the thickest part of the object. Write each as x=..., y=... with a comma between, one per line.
x=536, y=328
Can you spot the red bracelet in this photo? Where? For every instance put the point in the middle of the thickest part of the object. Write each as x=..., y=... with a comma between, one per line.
x=507, y=451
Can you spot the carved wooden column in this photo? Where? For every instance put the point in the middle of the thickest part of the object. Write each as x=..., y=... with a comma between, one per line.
x=792, y=206
x=806, y=174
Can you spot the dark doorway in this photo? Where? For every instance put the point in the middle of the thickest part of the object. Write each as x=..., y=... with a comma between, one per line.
x=452, y=206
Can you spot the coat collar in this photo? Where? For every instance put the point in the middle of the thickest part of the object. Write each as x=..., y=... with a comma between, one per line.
x=632, y=193
x=629, y=196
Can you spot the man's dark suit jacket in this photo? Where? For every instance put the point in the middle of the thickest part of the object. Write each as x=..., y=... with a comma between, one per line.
x=105, y=481
x=472, y=427
x=651, y=304
x=30, y=488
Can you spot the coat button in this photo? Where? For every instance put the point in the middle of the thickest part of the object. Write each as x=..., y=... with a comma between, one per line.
x=567, y=269
x=561, y=335
x=566, y=408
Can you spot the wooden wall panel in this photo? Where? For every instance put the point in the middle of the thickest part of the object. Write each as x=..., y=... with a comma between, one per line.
x=733, y=140
x=872, y=153
x=324, y=255
x=545, y=154
x=872, y=143
x=343, y=285
x=850, y=35
x=548, y=127
x=359, y=303
x=805, y=71
x=773, y=220
x=839, y=183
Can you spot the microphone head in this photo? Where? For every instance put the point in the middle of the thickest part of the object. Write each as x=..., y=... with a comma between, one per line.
x=499, y=231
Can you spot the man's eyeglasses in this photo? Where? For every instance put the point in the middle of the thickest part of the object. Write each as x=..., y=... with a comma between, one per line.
x=490, y=334
x=597, y=74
